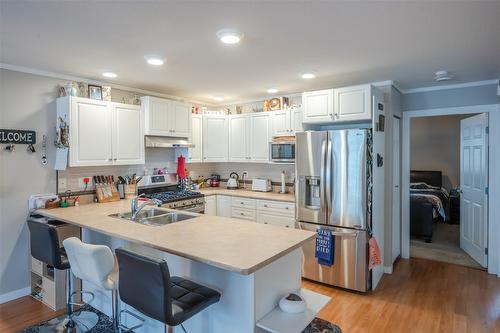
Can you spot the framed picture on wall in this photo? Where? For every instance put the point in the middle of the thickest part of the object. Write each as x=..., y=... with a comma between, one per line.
x=95, y=92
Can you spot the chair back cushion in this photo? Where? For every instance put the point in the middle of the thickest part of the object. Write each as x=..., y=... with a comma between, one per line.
x=92, y=263
x=44, y=243
x=144, y=284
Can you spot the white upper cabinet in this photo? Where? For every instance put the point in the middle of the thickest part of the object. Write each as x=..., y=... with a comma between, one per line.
x=281, y=123
x=102, y=133
x=215, y=138
x=296, y=117
x=166, y=118
x=128, y=138
x=195, y=154
x=249, y=137
x=238, y=138
x=181, y=119
x=353, y=103
x=260, y=135
x=318, y=106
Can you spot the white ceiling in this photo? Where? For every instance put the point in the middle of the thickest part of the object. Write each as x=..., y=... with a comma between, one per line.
x=343, y=42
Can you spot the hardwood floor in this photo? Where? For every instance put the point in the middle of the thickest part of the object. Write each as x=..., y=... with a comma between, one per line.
x=24, y=312
x=420, y=296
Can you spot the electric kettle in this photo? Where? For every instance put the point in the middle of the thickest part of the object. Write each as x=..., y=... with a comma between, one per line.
x=232, y=182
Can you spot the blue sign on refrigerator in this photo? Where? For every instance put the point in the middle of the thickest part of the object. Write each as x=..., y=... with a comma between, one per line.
x=325, y=247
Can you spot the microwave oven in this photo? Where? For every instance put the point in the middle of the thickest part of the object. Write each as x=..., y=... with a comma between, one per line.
x=282, y=151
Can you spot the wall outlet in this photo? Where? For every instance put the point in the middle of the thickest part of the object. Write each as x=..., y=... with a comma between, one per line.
x=84, y=180
x=62, y=183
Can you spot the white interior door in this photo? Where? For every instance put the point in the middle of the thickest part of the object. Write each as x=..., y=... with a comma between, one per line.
x=396, y=190
x=474, y=185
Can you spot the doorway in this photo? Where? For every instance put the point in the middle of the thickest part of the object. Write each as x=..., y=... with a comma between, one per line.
x=490, y=213
x=435, y=190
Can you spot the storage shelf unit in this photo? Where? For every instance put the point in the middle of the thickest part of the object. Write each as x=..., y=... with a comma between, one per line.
x=48, y=284
x=278, y=321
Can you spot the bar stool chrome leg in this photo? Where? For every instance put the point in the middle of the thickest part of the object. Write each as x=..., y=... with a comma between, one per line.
x=116, y=310
x=79, y=321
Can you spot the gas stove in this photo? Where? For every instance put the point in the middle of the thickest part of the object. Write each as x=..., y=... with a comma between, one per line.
x=165, y=189
x=178, y=199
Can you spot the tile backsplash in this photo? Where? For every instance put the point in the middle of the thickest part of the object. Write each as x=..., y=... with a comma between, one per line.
x=165, y=158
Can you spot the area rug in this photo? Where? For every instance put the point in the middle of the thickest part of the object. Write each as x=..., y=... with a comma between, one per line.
x=104, y=325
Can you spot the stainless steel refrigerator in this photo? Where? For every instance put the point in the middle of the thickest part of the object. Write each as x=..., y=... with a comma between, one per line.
x=333, y=191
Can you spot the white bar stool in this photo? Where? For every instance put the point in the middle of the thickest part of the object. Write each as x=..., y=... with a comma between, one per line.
x=95, y=264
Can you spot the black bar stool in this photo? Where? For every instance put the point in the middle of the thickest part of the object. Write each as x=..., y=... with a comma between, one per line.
x=145, y=284
x=45, y=247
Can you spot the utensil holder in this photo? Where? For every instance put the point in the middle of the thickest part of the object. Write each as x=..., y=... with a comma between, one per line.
x=130, y=191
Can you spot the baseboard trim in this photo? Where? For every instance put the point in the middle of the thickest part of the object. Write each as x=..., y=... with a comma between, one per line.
x=4, y=298
x=388, y=269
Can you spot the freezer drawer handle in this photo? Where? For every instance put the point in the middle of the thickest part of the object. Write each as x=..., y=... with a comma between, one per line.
x=344, y=234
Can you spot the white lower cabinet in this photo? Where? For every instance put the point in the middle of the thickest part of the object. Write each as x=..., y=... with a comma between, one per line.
x=243, y=214
x=223, y=205
x=275, y=219
x=278, y=213
x=211, y=205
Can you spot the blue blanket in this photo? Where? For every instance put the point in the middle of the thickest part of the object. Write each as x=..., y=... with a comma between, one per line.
x=325, y=247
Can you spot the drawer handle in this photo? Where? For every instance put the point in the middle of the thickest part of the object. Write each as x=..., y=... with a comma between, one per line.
x=242, y=213
x=265, y=206
x=286, y=207
x=286, y=226
x=265, y=222
x=242, y=203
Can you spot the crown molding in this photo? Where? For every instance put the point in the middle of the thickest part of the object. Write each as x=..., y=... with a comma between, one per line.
x=451, y=86
x=61, y=76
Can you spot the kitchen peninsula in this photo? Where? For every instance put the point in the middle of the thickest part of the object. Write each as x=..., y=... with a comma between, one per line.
x=252, y=264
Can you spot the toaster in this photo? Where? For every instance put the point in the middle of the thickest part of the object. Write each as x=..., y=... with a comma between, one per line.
x=261, y=185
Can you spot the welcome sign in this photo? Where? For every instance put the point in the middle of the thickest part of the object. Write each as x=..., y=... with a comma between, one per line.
x=17, y=136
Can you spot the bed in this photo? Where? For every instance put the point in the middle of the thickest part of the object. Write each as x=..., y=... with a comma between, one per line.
x=428, y=202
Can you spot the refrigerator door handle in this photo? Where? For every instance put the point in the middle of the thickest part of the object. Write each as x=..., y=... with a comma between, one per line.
x=324, y=173
x=345, y=234
x=328, y=179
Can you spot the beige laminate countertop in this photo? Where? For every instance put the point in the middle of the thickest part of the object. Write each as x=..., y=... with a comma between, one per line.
x=248, y=194
x=231, y=244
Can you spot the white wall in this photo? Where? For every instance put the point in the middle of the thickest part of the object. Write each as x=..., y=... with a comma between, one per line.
x=435, y=146
x=26, y=102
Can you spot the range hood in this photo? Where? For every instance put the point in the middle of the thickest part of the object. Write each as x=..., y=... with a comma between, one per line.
x=167, y=142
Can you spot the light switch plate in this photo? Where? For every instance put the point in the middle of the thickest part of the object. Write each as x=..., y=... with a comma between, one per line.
x=62, y=183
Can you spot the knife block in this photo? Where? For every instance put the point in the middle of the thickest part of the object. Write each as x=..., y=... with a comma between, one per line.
x=101, y=198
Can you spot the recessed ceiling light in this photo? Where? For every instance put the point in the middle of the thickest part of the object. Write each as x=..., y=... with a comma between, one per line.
x=272, y=91
x=154, y=60
x=443, y=76
x=218, y=98
x=229, y=36
x=308, y=76
x=109, y=74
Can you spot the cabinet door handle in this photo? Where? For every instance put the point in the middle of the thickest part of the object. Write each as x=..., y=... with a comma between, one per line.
x=286, y=226
x=265, y=206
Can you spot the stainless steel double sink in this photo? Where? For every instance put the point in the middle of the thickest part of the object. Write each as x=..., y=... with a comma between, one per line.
x=154, y=217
